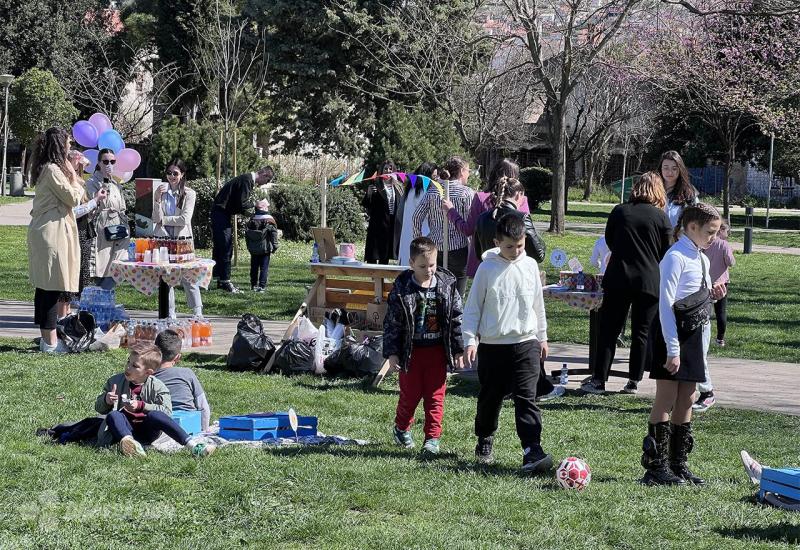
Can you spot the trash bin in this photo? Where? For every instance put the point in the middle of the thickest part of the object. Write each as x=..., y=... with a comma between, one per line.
x=16, y=189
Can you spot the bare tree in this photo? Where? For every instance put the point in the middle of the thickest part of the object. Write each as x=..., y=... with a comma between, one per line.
x=133, y=94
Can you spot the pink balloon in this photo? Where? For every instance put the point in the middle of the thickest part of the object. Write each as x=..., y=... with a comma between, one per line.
x=101, y=122
x=123, y=177
x=128, y=160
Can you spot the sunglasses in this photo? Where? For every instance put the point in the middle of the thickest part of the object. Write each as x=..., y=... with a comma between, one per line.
x=108, y=161
x=176, y=174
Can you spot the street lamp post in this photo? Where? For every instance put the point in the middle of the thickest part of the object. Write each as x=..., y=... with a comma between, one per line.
x=5, y=81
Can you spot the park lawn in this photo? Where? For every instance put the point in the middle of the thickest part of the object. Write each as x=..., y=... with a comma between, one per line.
x=763, y=307
x=787, y=239
x=376, y=496
x=7, y=199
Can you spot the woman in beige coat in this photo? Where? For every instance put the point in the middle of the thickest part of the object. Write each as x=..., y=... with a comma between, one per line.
x=173, y=208
x=53, y=249
x=110, y=212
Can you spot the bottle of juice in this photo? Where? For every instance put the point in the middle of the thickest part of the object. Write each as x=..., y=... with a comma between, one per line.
x=195, y=333
x=205, y=333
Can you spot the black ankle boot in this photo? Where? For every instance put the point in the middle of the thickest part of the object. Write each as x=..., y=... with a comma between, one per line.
x=680, y=445
x=655, y=452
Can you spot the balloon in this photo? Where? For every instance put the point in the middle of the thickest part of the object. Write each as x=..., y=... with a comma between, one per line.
x=85, y=134
x=128, y=160
x=101, y=122
x=110, y=139
x=91, y=155
x=124, y=177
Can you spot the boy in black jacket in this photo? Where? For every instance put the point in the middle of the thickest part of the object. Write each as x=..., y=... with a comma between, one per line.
x=261, y=237
x=421, y=338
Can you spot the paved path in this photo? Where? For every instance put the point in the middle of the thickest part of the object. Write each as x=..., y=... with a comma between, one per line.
x=739, y=383
x=16, y=213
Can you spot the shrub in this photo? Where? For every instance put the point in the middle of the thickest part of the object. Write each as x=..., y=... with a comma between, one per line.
x=296, y=208
x=538, y=185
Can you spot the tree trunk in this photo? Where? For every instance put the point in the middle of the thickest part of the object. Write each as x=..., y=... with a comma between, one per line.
x=588, y=177
x=730, y=156
x=558, y=141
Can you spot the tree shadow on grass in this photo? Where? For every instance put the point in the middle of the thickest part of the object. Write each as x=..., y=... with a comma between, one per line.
x=782, y=532
x=550, y=406
x=374, y=450
x=22, y=348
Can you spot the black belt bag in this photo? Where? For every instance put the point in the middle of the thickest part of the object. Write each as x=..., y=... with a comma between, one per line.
x=693, y=311
x=119, y=231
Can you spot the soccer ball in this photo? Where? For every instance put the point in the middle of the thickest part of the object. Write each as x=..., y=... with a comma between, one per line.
x=573, y=473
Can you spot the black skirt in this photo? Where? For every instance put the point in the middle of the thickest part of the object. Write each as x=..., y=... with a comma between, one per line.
x=692, y=369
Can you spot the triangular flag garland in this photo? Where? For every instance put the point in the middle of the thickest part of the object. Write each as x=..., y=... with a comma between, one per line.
x=337, y=181
x=438, y=187
x=355, y=178
x=413, y=179
x=402, y=176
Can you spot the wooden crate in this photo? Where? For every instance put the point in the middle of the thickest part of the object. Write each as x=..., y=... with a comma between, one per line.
x=268, y=425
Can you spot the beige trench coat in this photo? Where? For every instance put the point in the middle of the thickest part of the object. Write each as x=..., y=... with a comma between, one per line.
x=54, y=256
x=110, y=212
x=179, y=225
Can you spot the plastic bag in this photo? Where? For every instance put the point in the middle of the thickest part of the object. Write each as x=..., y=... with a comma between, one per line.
x=251, y=349
x=356, y=359
x=294, y=357
x=76, y=330
x=305, y=331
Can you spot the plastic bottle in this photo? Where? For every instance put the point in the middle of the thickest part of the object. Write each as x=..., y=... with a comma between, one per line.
x=581, y=280
x=195, y=333
x=132, y=251
x=564, y=378
x=205, y=333
x=315, y=254
x=131, y=333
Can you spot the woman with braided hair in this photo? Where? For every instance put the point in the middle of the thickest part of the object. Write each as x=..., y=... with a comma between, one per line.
x=680, y=338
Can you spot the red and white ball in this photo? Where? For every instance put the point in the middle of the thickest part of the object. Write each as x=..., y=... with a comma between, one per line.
x=573, y=473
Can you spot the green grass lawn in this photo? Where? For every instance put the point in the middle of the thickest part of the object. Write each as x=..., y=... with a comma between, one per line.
x=9, y=200
x=763, y=307
x=376, y=496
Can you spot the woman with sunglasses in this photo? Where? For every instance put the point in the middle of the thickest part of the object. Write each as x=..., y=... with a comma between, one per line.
x=173, y=208
x=108, y=214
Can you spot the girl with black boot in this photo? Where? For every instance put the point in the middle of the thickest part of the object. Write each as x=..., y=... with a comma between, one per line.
x=680, y=339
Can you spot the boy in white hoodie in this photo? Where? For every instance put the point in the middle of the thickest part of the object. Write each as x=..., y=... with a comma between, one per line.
x=505, y=313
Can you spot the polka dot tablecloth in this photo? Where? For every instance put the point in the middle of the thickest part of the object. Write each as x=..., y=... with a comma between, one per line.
x=578, y=299
x=145, y=277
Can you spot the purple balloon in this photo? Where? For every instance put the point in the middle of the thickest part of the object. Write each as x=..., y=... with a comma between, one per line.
x=128, y=160
x=101, y=122
x=90, y=154
x=85, y=134
x=110, y=139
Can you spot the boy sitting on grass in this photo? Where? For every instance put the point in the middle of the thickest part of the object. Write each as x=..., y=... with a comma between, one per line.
x=137, y=406
x=505, y=312
x=421, y=338
x=185, y=389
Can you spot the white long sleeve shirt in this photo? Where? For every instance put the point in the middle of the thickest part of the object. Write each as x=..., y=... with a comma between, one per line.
x=682, y=272
x=505, y=303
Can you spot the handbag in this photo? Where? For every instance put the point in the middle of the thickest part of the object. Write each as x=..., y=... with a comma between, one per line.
x=693, y=311
x=118, y=231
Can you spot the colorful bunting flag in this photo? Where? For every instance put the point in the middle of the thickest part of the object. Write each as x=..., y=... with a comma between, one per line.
x=355, y=178
x=337, y=181
x=426, y=181
x=413, y=178
x=402, y=176
x=438, y=187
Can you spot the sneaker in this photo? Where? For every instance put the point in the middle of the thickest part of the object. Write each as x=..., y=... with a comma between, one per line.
x=256, y=288
x=60, y=347
x=431, y=446
x=203, y=449
x=227, y=286
x=720, y=342
x=537, y=462
x=403, y=438
x=130, y=447
x=483, y=450
x=752, y=468
x=631, y=387
x=704, y=402
x=594, y=387
x=558, y=391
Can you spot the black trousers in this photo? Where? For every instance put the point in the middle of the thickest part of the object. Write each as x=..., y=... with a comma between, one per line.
x=543, y=385
x=45, y=308
x=222, y=235
x=721, y=313
x=259, y=263
x=457, y=265
x=514, y=367
x=613, y=313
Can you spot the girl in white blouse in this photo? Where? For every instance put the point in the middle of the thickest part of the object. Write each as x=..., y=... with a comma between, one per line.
x=679, y=347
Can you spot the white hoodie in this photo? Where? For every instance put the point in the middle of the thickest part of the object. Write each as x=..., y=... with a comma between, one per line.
x=505, y=304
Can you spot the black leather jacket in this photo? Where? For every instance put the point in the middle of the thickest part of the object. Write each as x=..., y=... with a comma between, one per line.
x=483, y=239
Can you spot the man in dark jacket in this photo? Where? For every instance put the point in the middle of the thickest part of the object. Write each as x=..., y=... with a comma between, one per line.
x=234, y=198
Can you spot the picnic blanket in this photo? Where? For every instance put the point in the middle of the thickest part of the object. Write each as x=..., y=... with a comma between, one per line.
x=166, y=444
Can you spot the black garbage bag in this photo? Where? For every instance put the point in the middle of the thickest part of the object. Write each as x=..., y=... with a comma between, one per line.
x=357, y=359
x=76, y=330
x=294, y=357
x=251, y=348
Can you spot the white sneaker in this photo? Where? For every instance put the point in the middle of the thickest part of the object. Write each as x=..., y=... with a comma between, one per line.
x=558, y=391
x=751, y=467
x=59, y=347
x=130, y=447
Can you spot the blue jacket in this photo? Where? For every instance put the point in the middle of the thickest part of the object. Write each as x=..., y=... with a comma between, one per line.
x=398, y=325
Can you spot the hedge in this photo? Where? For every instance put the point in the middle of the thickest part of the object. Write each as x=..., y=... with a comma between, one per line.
x=538, y=183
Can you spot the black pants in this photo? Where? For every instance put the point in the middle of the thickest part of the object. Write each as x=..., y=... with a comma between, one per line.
x=45, y=308
x=146, y=431
x=259, y=262
x=222, y=235
x=514, y=367
x=613, y=313
x=721, y=313
x=457, y=265
x=543, y=384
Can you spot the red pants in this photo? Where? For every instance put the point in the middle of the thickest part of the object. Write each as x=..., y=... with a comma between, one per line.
x=426, y=379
